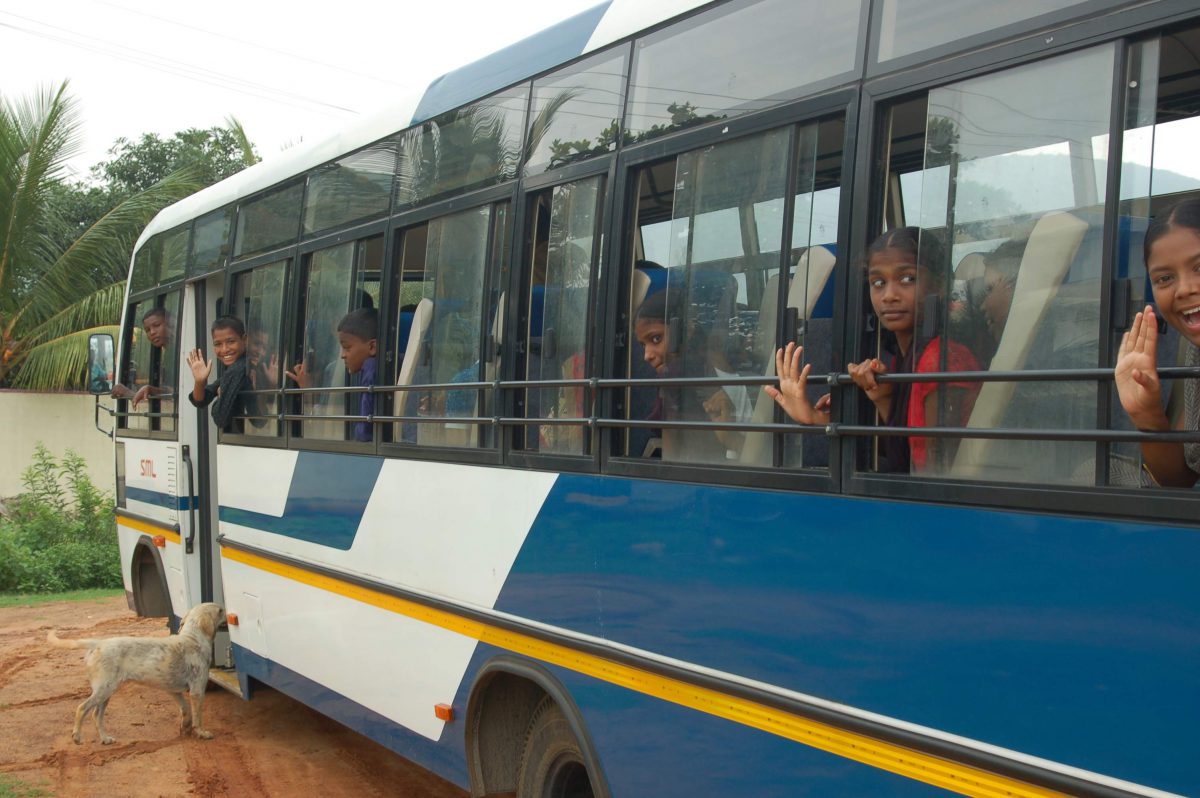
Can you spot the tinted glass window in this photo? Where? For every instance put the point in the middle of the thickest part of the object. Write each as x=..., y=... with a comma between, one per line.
x=469, y=148
x=448, y=260
x=136, y=371
x=356, y=187
x=210, y=241
x=560, y=280
x=145, y=265
x=1010, y=215
x=909, y=26
x=698, y=314
x=165, y=361
x=174, y=254
x=270, y=221
x=258, y=301
x=699, y=70
x=576, y=112
x=327, y=299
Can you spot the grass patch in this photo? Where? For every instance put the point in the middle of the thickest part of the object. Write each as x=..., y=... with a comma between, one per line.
x=34, y=599
x=15, y=788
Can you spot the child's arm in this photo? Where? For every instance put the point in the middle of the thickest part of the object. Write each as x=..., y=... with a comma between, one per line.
x=880, y=395
x=201, y=369
x=1140, y=391
x=792, y=393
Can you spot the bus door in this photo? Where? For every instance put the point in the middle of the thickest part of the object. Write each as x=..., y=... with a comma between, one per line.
x=198, y=461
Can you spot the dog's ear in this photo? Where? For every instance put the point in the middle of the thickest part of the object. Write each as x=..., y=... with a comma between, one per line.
x=207, y=620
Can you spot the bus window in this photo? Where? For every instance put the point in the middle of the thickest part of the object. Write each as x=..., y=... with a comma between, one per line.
x=1009, y=203
x=269, y=221
x=576, y=112
x=1158, y=169
x=210, y=242
x=564, y=229
x=165, y=363
x=135, y=373
x=447, y=261
x=258, y=301
x=707, y=213
x=149, y=374
x=356, y=187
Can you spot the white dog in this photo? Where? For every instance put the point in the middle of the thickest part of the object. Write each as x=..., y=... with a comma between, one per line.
x=176, y=663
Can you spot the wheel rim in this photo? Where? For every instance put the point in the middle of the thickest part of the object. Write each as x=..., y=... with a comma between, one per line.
x=568, y=778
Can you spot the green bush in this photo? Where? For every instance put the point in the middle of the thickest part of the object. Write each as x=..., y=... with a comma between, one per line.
x=60, y=533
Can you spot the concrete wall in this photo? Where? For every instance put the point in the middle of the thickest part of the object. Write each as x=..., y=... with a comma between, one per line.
x=60, y=421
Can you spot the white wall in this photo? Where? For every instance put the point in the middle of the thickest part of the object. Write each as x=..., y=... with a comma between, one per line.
x=60, y=421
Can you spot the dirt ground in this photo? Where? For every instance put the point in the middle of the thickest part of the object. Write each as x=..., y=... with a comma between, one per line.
x=270, y=746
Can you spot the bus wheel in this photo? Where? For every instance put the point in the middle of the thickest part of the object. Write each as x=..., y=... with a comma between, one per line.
x=552, y=765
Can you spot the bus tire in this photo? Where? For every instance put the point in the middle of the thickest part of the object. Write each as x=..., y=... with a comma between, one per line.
x=552, y=764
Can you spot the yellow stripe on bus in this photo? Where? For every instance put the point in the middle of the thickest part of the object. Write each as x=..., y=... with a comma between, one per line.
x=148, y=528
x=953, y=776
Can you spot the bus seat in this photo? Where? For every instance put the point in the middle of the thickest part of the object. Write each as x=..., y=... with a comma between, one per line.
x=970, y=267
x=818, y=263
x=406, y=321
x=638, y=291
x=406, y=401
x=1048, y=256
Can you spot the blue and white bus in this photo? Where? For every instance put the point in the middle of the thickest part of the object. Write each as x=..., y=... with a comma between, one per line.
x=549, y=568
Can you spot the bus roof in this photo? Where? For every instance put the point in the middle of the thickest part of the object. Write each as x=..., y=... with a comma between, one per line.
x=585, y=32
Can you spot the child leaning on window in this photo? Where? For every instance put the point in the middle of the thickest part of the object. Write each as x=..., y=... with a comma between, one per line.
x=1172, y=253
x=357, y=334
x=229, y=347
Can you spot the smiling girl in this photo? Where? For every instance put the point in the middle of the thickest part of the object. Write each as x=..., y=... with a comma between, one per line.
x=1172, y=253
x=229, y=347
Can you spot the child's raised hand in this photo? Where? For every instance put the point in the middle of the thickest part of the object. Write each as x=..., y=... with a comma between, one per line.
x=792, y=393
x=863, y=375
x=200, y=367
x=300, y=376
x=272, y=371
x=1136, y=373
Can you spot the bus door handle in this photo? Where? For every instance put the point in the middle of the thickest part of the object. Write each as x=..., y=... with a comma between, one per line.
x=190, y=543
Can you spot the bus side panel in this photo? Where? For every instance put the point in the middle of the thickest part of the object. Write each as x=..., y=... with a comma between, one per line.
x=152, y=492
x=1073, y=640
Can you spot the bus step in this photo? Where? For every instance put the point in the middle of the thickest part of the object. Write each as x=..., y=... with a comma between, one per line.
x=227, y=678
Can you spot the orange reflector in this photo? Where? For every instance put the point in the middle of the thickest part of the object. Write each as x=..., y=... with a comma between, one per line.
x=231, y=618
x=160, y=542
x=444, y=712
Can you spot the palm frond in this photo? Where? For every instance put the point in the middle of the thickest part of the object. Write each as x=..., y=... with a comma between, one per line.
x=249, y=156
x=101, y=254
x=58, y=364
x=99, y=308
x=540, y=124
x=37, y=136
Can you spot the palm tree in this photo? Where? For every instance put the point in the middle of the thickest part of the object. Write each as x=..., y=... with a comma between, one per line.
x=52, y=298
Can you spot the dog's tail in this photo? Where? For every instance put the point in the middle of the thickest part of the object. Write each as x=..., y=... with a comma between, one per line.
x=54, y=640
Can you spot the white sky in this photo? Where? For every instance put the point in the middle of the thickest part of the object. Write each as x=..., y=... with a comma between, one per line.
x=290, y=72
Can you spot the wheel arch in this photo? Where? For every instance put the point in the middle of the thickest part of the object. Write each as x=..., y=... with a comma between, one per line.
x=151, y=594
x=504, y=695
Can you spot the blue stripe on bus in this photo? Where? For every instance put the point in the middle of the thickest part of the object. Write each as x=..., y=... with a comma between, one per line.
x=326, y=500
x=158, y=498
x=1071, y=639
x=539, y=52
x=445, y=757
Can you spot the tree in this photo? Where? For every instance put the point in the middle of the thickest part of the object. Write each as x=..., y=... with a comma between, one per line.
x=214, y=154
x=54, y=295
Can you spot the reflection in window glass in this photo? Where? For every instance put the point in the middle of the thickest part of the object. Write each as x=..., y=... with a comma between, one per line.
x=258, y=301
x=696, y=71
x=699, y=314
x=174, y=254
x=444, y=337
x=1020, y=287
x=501, y=246
x=910, y=26
x=327, y=300
x=558, y=311
x=145, y=265
x=269, y=221
x=136, y=372
x=164, y=342
x=356, y=187
x=475, y=146
x=210, y=241
x=576, y=112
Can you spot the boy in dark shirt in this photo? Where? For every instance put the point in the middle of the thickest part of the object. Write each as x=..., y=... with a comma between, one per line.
x=357, y=334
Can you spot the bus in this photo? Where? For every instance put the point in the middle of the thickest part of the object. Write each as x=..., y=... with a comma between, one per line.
x=545, y=552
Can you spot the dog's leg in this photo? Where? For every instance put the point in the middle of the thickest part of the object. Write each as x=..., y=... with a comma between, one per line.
x=100, y=707
x=81, y=712
x=185, y=713
x=196, y=699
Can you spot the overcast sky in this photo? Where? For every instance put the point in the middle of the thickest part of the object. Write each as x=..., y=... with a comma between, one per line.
x=290, y=72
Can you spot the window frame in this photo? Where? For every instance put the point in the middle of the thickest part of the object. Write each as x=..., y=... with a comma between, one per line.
x=156, y=296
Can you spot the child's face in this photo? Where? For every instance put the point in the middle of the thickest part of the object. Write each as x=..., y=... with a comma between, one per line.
x=355, y=351
x=893, y=276
x=157, y=330
x=228, y=346
x=1174, y=267
x=652, y=335
x=256, y=347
